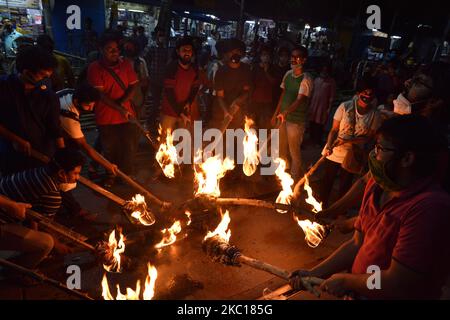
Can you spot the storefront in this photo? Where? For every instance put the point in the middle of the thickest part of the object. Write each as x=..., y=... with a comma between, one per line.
x=26, y=16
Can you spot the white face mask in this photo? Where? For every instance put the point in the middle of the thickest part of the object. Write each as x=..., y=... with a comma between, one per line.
x=402, y=105
x=65, y=187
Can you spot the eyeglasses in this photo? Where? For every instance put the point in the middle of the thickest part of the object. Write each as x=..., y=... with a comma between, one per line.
x=379, y=147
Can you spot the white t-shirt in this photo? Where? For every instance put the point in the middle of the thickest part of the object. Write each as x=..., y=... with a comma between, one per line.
x=364, y=124
x=71, y=127
x=306, y=86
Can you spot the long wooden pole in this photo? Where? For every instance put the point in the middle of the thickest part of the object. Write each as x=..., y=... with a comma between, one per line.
x=41, y=157
x=59, y=229
x=41, y=277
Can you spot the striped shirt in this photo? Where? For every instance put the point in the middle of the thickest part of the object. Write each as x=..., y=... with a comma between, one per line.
x=34, y=186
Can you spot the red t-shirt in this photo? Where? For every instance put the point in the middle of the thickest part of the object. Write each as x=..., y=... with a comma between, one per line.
x=181, y=81
x=102, y=79
x=413, y=229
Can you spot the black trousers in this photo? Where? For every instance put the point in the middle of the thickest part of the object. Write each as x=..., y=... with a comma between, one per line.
x=331, y=170
x=316, y=132
x=118, y=143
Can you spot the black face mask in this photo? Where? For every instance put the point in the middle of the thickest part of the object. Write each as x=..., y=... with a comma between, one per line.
x=236, y=58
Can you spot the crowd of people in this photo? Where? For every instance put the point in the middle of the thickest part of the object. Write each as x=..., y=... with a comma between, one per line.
x=385, y=145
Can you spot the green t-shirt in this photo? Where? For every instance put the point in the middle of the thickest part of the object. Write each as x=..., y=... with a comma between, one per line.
x=291, y=87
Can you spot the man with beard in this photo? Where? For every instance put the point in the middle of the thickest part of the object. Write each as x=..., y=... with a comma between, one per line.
x=232, y=84
x=117, y=82
x=402, y=226
x=181, y=85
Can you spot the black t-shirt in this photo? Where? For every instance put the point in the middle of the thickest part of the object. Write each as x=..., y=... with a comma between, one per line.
x=232, y=81
x=32, y=116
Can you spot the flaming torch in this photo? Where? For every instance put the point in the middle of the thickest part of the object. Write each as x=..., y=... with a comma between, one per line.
x=250, y=143
x=167, y=155
x=314, y=232
x=148, y=293
x=209, y=173
x=216, y=245
x=286, y=183
x=112, y=251
x=139, y=210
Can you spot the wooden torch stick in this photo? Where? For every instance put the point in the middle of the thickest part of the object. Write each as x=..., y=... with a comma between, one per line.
x=12, y=266
x=41, y=157
x=59, y=229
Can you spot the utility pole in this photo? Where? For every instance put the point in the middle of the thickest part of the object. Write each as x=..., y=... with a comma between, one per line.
x=165, y=18
x=240, y=26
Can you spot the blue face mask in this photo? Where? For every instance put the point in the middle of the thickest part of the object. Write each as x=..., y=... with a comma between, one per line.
x=43, y=84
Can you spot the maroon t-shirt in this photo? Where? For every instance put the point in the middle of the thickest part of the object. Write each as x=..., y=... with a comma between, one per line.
x=182, y=81
x=413, y=229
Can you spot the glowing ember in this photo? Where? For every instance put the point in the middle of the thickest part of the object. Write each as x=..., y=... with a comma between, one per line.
x=251, y=155
x=317, y=206
x=209, y=173
x=314, y=232
x=169, y=235
x=222, y=230
x=148, y=293
x=140, y=210
x=286, y=183
x=167, y=156
x=113, y=250
x=149, y=290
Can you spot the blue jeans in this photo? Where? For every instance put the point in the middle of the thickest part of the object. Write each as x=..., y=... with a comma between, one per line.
x=291, y=139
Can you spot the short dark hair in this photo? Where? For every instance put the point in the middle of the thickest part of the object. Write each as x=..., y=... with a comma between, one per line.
x=365, y=83
x=107, y=37
x=303, y=51
x=86, y=93
x=46, y=42
x=416, y=134
x=66, y=159
x=232, y=44
x=185, y=41
x=34, y=58
x=284, y=50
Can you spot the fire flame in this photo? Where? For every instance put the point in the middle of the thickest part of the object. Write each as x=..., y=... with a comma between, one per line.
x=188, y=214
x=148, y=293
x=169, y=235
x=113, y=251
x=314, y=232
x=286, y=183
x=149, y=290
x=317, y=206
x=251, y=155
x=141, y=212
x=167, y=155
x=209, y=173
x=222, y=229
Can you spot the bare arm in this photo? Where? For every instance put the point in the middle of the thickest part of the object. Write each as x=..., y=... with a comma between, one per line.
x=95, y=156
x=294, y=105
x=395, y=283
x=341, y=259
x=332, y=136
x=351, y=199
